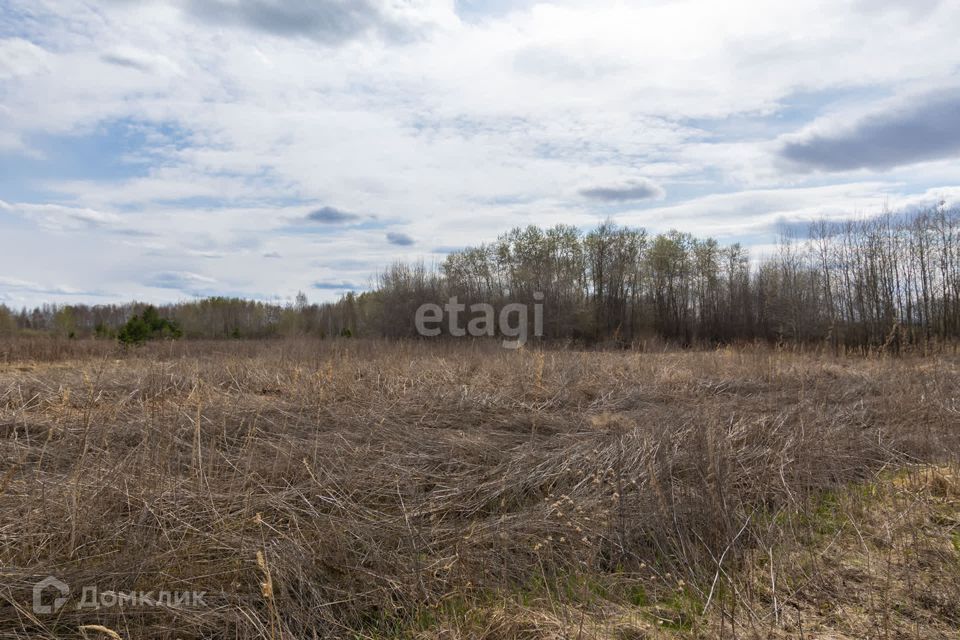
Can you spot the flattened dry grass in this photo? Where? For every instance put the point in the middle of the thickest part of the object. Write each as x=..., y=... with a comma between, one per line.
x=369, y=489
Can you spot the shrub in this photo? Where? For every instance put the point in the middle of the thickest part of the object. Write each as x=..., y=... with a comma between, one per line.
x=150, y=326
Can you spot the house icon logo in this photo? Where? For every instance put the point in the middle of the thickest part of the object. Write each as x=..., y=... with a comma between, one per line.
x=50, y=584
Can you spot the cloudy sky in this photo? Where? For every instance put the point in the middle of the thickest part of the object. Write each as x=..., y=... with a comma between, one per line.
x=164, y=150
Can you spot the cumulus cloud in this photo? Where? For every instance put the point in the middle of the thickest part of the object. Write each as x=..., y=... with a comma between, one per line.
x=329, y=22
x=331, y=215
x=399, y=239
x=641, y=189
x=915, y=129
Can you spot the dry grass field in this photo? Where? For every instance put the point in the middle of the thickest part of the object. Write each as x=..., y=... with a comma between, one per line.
x=361, y=489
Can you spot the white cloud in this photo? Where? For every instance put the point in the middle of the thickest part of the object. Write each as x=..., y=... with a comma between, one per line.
x=58, y=217
x=28, y=286
x=453, y=128
x=20, y=57
x=760, y=211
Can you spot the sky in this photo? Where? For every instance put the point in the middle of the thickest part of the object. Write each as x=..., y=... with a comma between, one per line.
x=163, y=151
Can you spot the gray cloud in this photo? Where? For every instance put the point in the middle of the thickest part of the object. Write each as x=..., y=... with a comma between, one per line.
x=125, y=61
x=925, y=128
x=134, y=233
x=346, y=286
x=179, y=280
x=209, y=255
x=272, y=254
x=331, y=215
x=633, y=190
x=447, y=249
x=329, y=22
x=399, y=239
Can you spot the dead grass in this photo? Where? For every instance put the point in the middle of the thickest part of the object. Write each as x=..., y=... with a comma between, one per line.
x=368, y=489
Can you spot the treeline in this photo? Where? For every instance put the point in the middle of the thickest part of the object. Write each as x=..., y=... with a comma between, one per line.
x=889, y=281
x=217, y=317
x=886, y=281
